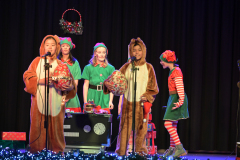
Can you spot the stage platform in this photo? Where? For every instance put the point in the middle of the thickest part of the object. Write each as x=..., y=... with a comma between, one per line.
x=205, y=156
x=199, y=156
x=189, y=156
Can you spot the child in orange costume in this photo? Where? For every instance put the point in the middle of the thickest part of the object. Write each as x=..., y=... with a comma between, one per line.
x=34, y=79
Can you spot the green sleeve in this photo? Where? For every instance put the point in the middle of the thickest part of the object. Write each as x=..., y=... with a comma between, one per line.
x=85, y=74
x=77, y=74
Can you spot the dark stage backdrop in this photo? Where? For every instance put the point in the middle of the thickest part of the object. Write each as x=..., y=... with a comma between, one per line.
x=205, y=34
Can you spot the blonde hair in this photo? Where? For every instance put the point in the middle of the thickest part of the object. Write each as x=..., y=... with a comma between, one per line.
x=93, y=60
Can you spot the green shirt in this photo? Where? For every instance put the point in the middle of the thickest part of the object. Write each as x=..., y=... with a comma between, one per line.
x=96, y=76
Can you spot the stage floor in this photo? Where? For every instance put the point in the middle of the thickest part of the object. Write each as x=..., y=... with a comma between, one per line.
x=198, y=156
x=194, y=156
x=201, y=156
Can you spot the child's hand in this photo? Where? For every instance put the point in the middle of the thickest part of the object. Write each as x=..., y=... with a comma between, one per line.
x=109, y=86
x=50, y=81
x=68, y=87
x=143, y=99
x=111, y=106
x=175, y=106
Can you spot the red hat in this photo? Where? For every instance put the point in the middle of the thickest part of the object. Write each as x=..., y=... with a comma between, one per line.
x=168, y=56
x=147, y=106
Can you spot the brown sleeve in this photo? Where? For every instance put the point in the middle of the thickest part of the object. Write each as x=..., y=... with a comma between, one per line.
x=30, y=77
x=71, y=94
x=152, y=86
x=124, y=68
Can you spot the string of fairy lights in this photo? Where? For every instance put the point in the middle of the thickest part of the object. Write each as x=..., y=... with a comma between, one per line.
x=7, y=153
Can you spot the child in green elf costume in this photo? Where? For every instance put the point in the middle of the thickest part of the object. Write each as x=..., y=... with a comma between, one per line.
x=177, y=106
x=94, y=75
x=73, y=105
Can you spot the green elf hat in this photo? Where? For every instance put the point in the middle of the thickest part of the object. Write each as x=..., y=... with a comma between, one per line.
x=68, y=41
x=168, y=56
x=99, y=45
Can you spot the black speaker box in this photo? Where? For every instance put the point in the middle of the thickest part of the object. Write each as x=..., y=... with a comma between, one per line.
x=88, y=130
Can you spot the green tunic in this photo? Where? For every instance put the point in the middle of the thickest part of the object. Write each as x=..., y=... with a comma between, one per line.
x=96, y=76
x=76, y=72
x=178, y=113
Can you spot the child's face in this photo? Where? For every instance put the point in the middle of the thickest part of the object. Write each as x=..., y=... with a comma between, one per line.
x=100, y=54
x=50, y=46
x=65, y=48
x=164, y=64
x=137, y=52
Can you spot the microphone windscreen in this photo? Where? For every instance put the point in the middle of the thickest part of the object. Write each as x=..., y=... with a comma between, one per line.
x=133, y=58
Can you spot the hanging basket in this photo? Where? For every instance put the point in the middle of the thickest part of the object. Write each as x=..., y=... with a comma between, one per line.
x=69, y=27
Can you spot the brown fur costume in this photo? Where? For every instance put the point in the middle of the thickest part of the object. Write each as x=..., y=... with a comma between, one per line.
x=147, y=87
x=37, y=139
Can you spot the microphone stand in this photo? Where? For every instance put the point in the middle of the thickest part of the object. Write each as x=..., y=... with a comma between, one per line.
x=46, y=66
x=238, y=118
x=134, y=82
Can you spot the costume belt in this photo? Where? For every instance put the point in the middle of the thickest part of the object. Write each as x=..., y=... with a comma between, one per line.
x=97, y=87
x=172, y=92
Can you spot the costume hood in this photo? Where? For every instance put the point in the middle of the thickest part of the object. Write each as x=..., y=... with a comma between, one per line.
x=143, y=47
x=41, y=49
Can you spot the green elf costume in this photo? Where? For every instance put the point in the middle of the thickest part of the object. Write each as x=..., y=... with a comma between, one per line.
x=96, y=74
x=73, y=105
x=177, y=106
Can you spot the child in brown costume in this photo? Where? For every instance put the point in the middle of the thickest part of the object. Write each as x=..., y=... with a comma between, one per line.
x=34, y=79
x=146, y=90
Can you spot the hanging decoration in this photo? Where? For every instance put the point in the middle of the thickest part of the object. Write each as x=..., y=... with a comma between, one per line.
x=71, y=27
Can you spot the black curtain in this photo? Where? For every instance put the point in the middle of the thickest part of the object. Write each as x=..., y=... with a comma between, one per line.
x=205, y=34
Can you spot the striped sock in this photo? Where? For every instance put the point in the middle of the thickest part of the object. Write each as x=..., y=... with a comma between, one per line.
x=172, y=144
x=171, y=127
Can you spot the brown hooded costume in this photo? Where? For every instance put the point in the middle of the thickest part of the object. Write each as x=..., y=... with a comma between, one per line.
x=35, y=72
x=147, y=87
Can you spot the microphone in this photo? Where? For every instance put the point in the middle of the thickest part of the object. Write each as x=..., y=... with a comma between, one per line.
x=133, y=59
x=47, y=54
